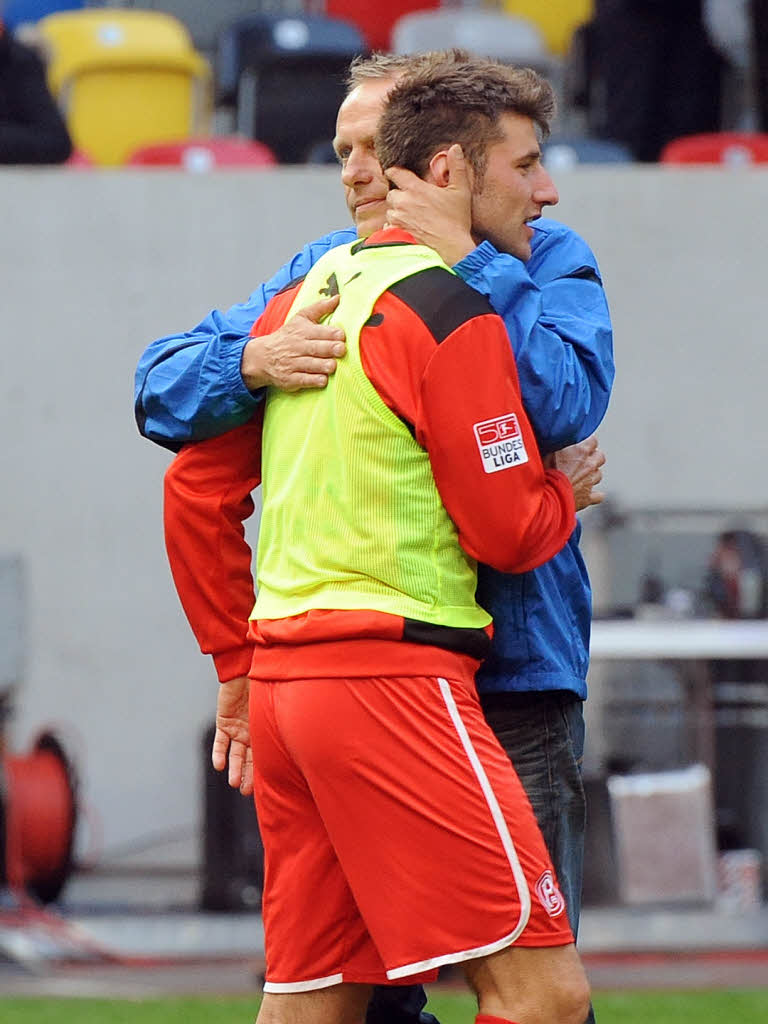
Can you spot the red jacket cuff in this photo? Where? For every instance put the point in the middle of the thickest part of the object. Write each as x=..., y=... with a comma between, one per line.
x=234, y=663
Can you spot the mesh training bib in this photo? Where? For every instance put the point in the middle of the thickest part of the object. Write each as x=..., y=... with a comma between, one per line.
x=351, y=516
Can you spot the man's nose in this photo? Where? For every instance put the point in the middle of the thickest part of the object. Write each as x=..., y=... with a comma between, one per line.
x=544, y=191
x=358, y=170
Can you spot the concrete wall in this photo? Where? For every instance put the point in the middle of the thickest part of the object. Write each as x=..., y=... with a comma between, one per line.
x=95, y=265
x=684, y=260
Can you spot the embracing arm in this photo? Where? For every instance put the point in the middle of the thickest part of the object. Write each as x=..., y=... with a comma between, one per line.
x=459, y=393
x=191, y=386
x=557, y=319
x=553, y=306
x=509, y=511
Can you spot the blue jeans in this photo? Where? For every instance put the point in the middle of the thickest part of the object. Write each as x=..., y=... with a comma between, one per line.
x=543, y=733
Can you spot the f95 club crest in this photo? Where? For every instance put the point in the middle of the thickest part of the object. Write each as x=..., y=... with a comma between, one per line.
x=500, y=443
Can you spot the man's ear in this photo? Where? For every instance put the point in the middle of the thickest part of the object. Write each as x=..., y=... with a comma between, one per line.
x=437, y=171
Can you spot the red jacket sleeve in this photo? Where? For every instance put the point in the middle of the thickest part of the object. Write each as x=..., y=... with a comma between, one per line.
x=510, y=513
x=207, y=498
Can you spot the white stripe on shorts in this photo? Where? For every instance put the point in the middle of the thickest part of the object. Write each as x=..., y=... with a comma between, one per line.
x=509, y=848
x=303, y=986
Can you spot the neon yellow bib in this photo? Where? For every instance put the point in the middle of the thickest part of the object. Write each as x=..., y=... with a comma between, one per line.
x=351, y=515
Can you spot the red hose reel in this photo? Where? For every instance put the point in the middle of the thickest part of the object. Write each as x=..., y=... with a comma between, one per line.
x=38, y=815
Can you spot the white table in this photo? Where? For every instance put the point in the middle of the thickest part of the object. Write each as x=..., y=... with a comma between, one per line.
x=689, y=639
x=694, y=642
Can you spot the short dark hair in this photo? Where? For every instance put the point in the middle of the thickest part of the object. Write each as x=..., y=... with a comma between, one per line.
x=446, y=101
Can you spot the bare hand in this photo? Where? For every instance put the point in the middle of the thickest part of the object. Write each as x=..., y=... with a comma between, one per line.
x=232, y=740
x=439, y=216
x=301, y=354
x=583, y=464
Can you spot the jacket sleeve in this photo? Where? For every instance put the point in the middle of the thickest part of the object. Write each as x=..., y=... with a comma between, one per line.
x=207, y=497
x=188, y=386
x=556, y=315
x=509, y=511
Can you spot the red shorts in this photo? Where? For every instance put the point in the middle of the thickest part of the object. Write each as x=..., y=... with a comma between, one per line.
x=397, y=835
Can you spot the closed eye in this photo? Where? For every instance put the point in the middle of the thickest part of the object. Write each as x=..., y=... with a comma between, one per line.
x=530, y=161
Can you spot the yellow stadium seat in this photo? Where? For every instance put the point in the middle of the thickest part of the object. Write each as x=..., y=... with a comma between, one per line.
x=124, y=79
x=557, y=19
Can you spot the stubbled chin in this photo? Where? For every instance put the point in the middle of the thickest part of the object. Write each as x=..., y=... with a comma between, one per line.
x=524, y=248
x=522, y=251
x=370, y=221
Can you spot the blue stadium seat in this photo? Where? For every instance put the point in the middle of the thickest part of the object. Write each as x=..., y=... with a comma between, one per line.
x=22, y=12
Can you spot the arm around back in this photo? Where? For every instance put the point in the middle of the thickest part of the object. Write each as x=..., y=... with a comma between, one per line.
x=509, y=512
x=190, y=386
x=556, y=314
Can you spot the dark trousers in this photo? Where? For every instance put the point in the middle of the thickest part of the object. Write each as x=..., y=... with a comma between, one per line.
x=543, y=733
x=398, y=1004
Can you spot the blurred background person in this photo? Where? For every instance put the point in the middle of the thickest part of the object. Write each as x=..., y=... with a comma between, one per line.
x=32, y=129
x=654, y=73
x=759, y=15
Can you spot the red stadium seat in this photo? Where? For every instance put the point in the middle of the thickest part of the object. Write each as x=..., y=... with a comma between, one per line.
x=735, y=149
x=79, y=159
x=202, y=155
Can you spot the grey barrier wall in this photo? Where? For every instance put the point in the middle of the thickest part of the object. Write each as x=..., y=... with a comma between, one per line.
x=94, y=265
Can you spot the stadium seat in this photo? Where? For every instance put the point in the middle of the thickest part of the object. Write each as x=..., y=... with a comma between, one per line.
x=485, y=33
x=125, y=78
x=557, y=20
x=734, y=149
x=376, y=20
x=24, y=12
x=205, y=154
x=563, y=151
x=286, y=77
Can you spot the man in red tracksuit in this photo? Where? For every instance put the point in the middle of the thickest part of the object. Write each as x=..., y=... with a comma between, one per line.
x=377, y=781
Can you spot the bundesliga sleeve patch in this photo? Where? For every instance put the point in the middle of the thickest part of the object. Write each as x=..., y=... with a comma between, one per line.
x=501, y=443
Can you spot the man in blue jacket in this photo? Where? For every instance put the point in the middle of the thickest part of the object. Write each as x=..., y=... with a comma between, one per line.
x=550, y=294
